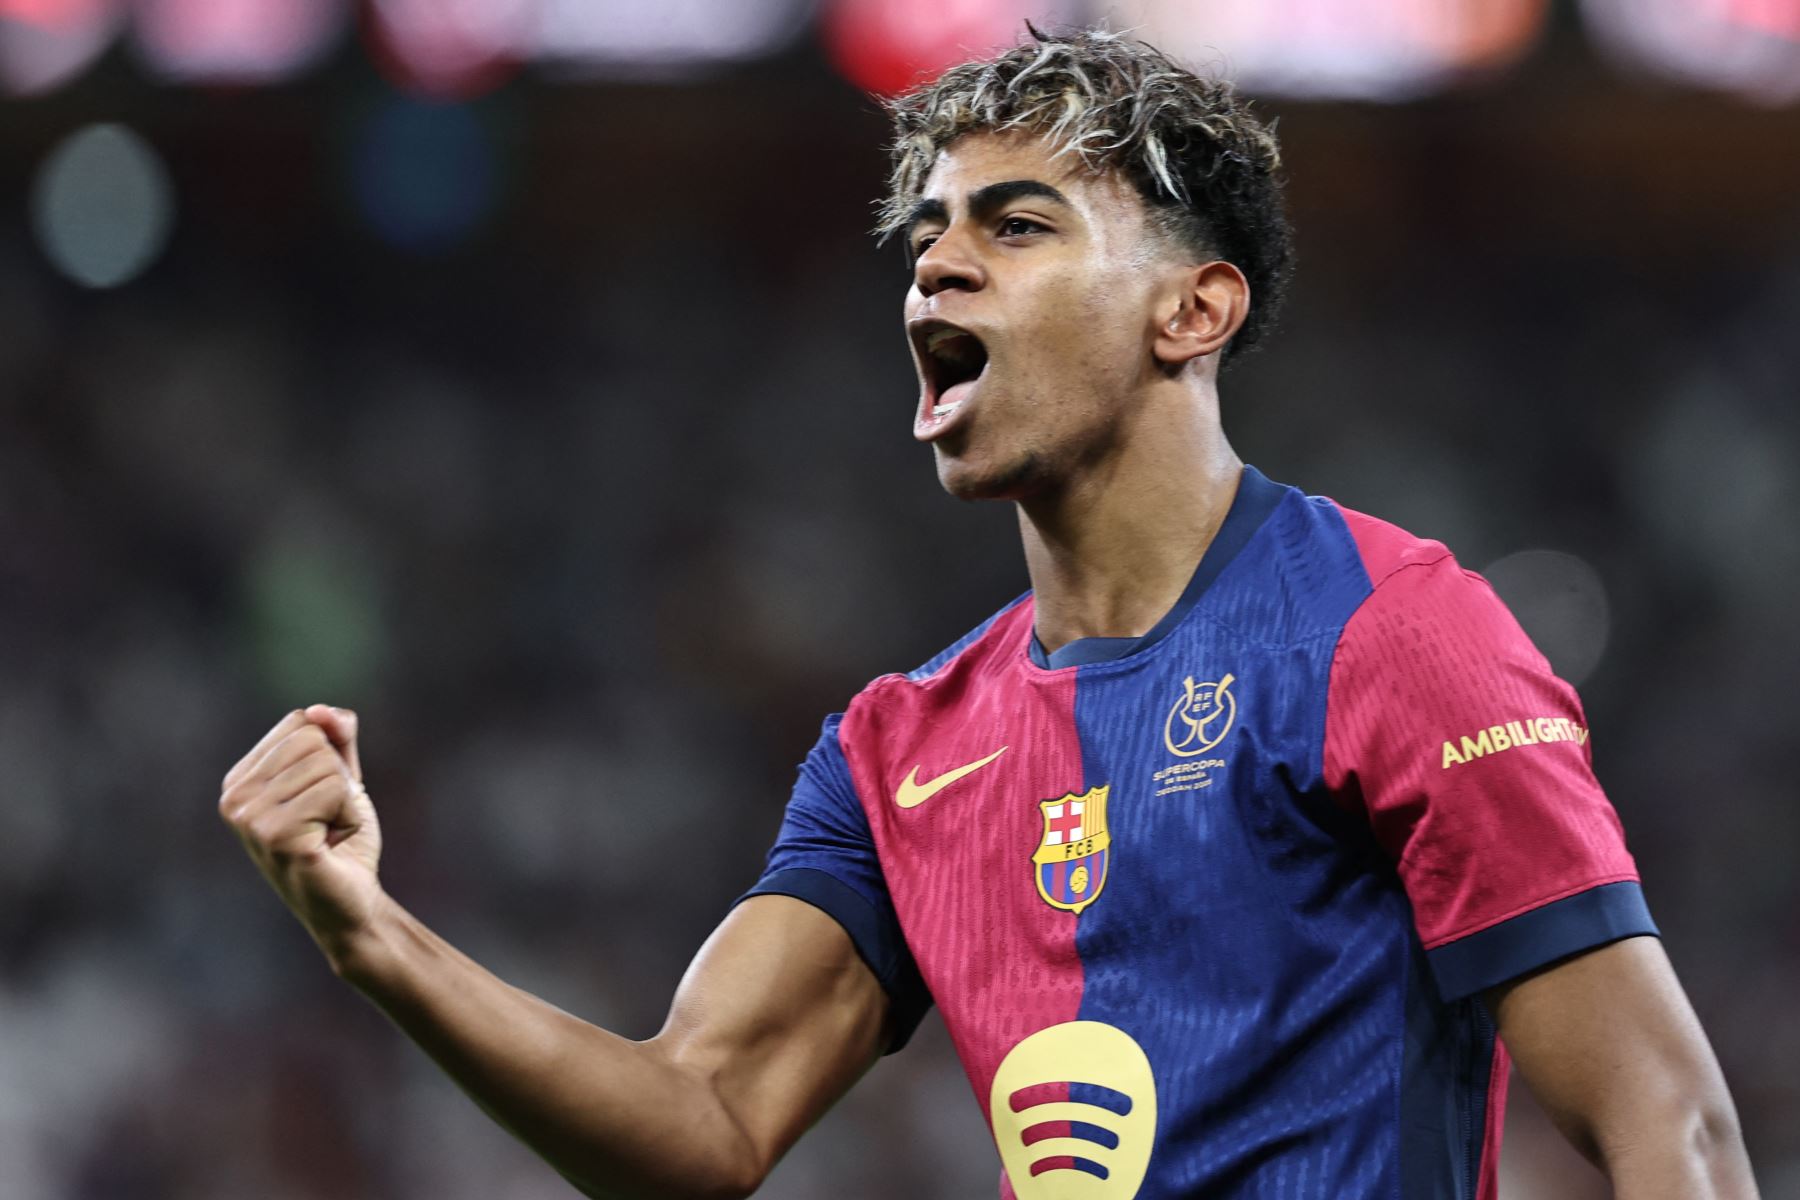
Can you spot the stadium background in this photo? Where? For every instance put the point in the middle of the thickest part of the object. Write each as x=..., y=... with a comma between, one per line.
x=519, y=373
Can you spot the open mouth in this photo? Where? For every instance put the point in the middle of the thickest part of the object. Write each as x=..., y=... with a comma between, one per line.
x=952, y=360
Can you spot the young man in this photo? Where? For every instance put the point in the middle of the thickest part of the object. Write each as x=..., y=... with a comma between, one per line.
x=1226, y=851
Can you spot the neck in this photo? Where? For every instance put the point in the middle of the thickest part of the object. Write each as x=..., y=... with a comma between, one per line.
x=1111, y=549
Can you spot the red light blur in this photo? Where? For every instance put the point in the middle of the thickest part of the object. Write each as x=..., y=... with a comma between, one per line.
x=1778, y=17
x=886, y=46
x=54, y=15
x=450, y=49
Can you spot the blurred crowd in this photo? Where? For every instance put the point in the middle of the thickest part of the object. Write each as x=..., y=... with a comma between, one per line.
x=595, y=510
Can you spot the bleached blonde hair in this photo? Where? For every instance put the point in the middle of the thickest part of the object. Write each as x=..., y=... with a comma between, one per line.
x=1207, y=170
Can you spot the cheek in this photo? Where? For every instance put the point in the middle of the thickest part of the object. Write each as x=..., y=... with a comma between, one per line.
x=1081, y=319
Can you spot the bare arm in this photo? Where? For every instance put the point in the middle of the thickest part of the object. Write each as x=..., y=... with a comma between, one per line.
x=776, y=1017
x=1608, y=1042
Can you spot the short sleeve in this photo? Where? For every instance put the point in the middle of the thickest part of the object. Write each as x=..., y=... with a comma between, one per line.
x=1470, y=759
x=825, y=855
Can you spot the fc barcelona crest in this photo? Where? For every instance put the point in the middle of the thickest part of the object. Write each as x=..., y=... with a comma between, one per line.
x=1070, y=862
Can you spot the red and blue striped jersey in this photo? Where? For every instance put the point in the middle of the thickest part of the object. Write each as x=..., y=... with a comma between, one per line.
x=1208, y=912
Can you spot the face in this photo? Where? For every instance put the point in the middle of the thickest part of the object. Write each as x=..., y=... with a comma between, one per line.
x=1031, y=314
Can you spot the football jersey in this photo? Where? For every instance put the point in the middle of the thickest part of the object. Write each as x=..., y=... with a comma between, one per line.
x=1208, y=912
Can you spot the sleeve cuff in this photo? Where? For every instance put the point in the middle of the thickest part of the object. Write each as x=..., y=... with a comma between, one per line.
x=876, y=944
x=1532, y=939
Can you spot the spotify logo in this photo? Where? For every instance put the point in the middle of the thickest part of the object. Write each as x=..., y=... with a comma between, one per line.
x=1074, y=1110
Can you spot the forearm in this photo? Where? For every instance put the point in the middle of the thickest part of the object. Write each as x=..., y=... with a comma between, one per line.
x=618, y=1118
x=1679, y=1152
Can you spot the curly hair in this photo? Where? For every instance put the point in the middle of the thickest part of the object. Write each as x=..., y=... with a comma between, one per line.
x=1207, y=170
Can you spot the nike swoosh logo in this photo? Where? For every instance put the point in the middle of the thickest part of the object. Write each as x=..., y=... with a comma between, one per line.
x=912, y=793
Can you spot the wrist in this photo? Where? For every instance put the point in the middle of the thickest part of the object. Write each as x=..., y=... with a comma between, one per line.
x=364, y=954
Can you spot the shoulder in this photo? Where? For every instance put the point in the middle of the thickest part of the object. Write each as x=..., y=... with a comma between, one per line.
x=864, y=749
x=983, y=649
x=1421, y=600
x=1312, y=566
x=1385, y=549
x=992, y=637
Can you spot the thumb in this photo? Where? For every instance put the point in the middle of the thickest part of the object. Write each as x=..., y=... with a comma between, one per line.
x=339, y=725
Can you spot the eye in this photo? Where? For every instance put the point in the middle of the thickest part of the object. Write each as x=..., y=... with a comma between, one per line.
x=923, y=244
x=1019, y=227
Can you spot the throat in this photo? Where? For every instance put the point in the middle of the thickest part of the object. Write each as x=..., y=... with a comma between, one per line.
x=1118, y=579
x=1110, y=618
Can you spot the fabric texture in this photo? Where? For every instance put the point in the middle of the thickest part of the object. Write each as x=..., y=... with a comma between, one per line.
x=1208, y=912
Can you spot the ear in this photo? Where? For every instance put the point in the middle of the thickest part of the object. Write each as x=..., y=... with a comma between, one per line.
x=1204, y=310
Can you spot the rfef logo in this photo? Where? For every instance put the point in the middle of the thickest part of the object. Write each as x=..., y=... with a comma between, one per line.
x=1201, y=718
x=1074, y=1112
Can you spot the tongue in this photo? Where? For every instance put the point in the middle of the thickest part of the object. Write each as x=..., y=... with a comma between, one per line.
x=956, y=393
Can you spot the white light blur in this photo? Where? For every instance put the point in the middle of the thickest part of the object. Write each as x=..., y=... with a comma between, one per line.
x=440, y=45
x=1748, y=47
x=627, y=37
x=1388, y=50
x=46, y=45
x=236, y=41
x=1561, y=602
x=102, y=206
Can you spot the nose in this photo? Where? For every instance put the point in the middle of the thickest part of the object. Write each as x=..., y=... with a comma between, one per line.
x=949, y=262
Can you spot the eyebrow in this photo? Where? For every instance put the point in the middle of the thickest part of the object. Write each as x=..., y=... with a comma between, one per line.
x=983, y=201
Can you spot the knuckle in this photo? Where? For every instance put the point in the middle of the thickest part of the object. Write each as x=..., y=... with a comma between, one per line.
x=232, y=802
x=265, y=827
x=298, y=744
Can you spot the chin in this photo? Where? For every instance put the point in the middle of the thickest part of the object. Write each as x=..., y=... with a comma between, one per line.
x=1014, y=479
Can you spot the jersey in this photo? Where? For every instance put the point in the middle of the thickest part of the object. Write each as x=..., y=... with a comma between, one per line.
x=1208, y=912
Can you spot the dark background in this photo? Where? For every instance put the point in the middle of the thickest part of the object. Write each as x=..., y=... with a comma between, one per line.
x=596, y=503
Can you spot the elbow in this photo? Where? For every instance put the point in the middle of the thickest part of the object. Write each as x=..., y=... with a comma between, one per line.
x=742, y=1172
x=740, y=1186
x=728, y=1181
x=709, y=1183
x=708, y=1168
x=734, y=1176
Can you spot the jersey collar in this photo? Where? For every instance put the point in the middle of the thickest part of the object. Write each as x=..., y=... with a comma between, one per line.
x=1256, y=498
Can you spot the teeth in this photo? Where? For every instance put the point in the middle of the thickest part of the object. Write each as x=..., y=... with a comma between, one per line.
x=944, y=410
x=938, y=337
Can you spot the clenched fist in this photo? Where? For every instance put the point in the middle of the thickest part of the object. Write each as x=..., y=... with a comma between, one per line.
x=298, y=803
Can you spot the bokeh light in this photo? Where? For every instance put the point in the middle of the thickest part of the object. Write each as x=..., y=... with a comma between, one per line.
x=451, y=48
x=886, y=46
x=236, y=41
x=102, y=205
x=601, y=38
x=1749, y=47
x=47, y=43
x=423, y=173
x=1389, y=50
x=1560, y=601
